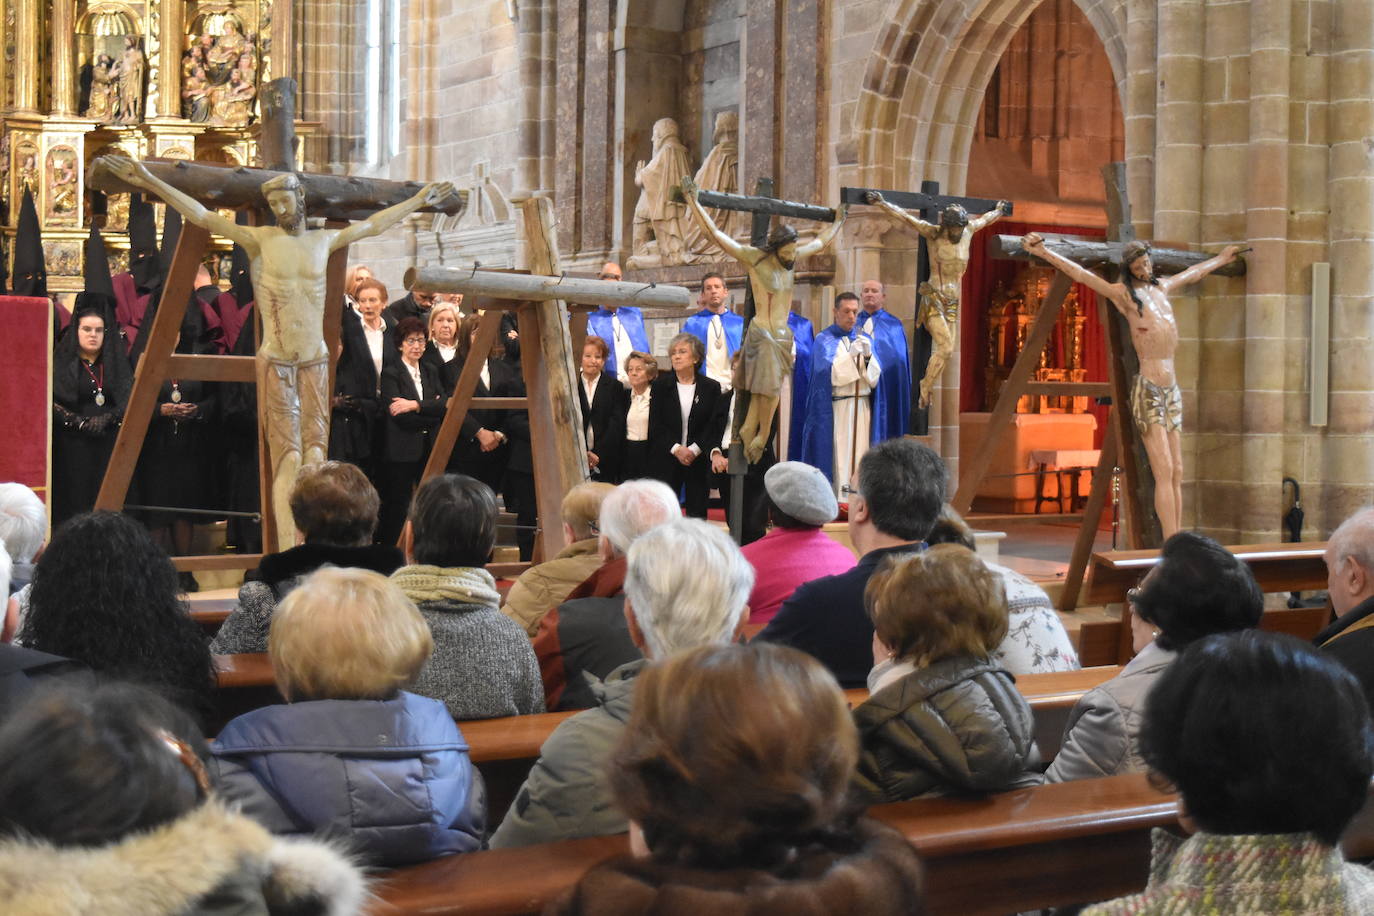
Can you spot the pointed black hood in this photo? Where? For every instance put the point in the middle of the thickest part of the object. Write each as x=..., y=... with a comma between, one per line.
x=144, y=262
x=30, y=270
x=96, y=271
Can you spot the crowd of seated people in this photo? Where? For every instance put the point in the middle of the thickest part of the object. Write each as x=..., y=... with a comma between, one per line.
x=737, y=767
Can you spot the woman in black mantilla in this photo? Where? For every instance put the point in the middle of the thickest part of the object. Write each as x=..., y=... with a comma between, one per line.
x=173, y=468
x=91, y=384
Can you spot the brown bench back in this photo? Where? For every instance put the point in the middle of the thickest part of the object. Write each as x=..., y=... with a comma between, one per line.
x=1107, y=642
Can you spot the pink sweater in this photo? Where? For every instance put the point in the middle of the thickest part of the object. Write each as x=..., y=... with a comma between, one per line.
x=787, y=557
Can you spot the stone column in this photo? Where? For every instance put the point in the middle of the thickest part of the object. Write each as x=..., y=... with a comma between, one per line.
x=757, y=135
x=164, y=63
x=1346, y=465
x=1138, y=109
x=63, y=57
x=25, y=76
x=568, y=171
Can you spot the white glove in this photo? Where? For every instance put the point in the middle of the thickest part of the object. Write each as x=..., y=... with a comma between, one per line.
x=862, y=345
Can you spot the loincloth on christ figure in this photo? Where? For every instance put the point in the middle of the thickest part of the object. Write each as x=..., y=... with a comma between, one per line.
x=296, y=403
x=935, y=302
x=767, y=359
x=1156, y=405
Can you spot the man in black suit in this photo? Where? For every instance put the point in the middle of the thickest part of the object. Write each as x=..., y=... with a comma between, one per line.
x=894, y=500
x=1350, y=585
x=685, y=423
x=414, y=304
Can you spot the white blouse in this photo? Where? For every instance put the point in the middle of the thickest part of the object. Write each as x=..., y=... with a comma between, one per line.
x=637, y=419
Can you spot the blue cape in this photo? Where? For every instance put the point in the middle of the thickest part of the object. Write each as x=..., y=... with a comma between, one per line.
x=894, y=387
x=818, y=431
x=631, y=319
x=700, y=326
x=804, y=336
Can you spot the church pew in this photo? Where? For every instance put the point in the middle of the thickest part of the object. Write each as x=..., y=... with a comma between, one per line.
x=504, y=749
x=210, y=613
x=242, y=683
x=1106, y=642
x=1280, y=567
x=1044, y=846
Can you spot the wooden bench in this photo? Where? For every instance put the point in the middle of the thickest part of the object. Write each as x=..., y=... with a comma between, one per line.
x=211, y=613
x=243, y=682
x=505, y=749
x=1277, y=568
x=1106, y=642
x=1045, y=846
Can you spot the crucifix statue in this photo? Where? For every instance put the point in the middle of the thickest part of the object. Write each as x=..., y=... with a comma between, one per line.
x=767, y=344
x=1142, y=298
x=287, y=263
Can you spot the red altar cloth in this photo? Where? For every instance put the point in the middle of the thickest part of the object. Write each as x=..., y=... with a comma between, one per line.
x=26, y=391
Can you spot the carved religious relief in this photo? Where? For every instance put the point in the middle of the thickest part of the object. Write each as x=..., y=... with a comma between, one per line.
x=660, y=224
x=103, y=94
x=63, y=186
x=220, y=74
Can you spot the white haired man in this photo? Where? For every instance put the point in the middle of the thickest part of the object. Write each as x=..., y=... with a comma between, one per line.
x=1350, y=584
x=587, y=632
x=686, y=585
x=23, y=531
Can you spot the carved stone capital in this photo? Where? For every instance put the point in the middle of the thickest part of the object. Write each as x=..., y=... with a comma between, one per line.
x=867, y=230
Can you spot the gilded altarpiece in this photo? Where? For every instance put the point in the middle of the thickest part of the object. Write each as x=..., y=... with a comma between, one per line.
x=177, y=79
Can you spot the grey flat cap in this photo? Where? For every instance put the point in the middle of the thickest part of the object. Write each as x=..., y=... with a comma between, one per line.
x=802, y=492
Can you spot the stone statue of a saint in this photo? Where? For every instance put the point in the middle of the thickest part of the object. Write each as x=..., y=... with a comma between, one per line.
x=768, y=342
x=949, y=246
x=1156, y=402
x=288, y=264
x=660, y=223
x=130, y=74
x=195, y=97
x=720, y=172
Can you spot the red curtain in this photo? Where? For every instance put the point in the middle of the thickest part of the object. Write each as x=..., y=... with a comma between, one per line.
x=980, y=282
x=25, y=396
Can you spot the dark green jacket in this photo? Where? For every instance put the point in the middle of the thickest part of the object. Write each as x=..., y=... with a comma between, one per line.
x=956, y=727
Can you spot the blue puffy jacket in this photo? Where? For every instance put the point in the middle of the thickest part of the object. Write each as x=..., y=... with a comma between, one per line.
x=391, y=779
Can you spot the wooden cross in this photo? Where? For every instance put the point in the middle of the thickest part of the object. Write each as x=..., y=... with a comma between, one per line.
x=1122, y=444
x=930, y=202
x=761, y=206
x=336, y=198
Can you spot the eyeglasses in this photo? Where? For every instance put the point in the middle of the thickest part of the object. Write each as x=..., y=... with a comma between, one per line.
x=846, y=490
x=414, y=341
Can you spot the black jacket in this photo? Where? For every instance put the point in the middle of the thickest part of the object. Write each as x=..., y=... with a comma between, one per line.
x=1353, y=646
x=356, y=381
x=405, y=307
x=826, y=618
x=409, y=435
x=704, y=423
x=605, y=418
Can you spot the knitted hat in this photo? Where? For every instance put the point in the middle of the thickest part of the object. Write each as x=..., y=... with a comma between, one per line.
x=802, y=492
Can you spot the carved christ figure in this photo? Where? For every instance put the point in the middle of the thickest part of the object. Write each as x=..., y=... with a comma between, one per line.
x=1156, y=402
x=949, y=246
x=767, y=344
x=287, y=264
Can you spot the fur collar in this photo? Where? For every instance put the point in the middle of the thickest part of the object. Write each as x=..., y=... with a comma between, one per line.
x=170, y=869
x=306, y=558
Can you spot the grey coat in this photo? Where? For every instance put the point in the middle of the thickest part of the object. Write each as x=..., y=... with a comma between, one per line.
x=568, y=793
x=956, y=726
x=1100, y=737
x=483, y=665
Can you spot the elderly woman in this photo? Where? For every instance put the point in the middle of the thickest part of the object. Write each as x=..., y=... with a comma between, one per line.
x=640, y=371
x=352, y=756
x=369, y=344
x=106, y=807
x=1198, y=588
x=685, y=423
x=482, y=665
x=483, y=447
x=734, y=770
x=942, y=717
x=413, y=402
x=686, y=585
x=105, y=595
x=1036, y=641
x=1271, y=749
x=335, y=508
x=443, y=343
x=543, y=587
x=602, y=400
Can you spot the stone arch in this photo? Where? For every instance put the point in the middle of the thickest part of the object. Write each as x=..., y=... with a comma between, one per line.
x=924, y=88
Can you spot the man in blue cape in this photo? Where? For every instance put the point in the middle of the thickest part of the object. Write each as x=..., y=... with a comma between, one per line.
x=845, y=342
x=792, y=416
x=718, y=328
x=621, y=326
x=889, y=344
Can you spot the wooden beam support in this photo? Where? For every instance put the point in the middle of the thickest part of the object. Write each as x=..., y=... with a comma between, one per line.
x=767, y=206
x=339, y=197
x=458, y=403
x=1093, y=254
x=1012, y=389
x=204, y=367
x=919, y=200
x=533, y=288
x=1092, y=519
x=152, y=369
